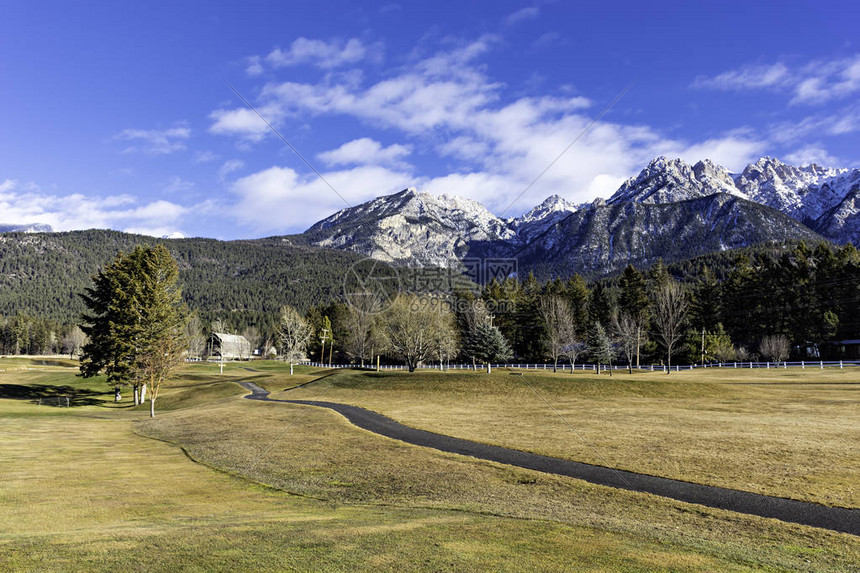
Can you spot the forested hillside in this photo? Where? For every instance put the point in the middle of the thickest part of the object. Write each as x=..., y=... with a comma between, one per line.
x=42, y=274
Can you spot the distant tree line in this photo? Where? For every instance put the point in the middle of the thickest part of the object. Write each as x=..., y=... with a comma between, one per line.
x=771, y=302
x=768, y=305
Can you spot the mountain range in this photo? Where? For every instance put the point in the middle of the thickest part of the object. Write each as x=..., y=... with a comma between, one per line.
x=670, y=210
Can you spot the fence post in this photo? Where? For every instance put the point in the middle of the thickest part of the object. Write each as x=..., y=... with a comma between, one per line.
x=803, y=365
x=840, y=365
x=768, y=365
x=822, y=365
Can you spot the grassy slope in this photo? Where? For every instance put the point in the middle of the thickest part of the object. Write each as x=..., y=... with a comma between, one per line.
x=81, y=489
x=792, y=434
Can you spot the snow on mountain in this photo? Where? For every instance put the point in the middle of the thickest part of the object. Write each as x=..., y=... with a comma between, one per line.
x=672, y=180
x=411, y=227
x=26, y=228
x=819, y=197
x=604, y=238
x=536, y=222
x=805, y=193
x=550, y=206
x=415, y=228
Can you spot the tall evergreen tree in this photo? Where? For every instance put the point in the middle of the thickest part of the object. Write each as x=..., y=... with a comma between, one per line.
x=600, y=347
x=532, y=329
x=578, y=295
x=487, y=344
x=633, y=306
x=706, y=304
x=599, y=306
x=135, y=321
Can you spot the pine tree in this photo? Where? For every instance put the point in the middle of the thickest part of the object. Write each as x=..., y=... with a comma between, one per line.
x=599, y=306
x=600, y=347
x=487, y=344
x=135, y=321
x=706, y=304
x=578, y=294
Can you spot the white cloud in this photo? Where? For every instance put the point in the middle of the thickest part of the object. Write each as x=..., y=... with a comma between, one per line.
x=155, y=141
x=816, y=82
x=255, y=66
x=278, y=199
x=366, y=151
x=829, y=81
x=205, y=156
x=844, y=121
x=528, y=13
x=495, y=148
x=77, y=211
x=732, y=151
x=8, y=185
x=546, y=40
x=319, y=53
x=178, y=185
x=748, y=77
x=230, y=166
x=813, y=153
x=244, y=122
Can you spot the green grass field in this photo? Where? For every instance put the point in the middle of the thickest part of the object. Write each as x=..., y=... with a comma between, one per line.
x=216, y=482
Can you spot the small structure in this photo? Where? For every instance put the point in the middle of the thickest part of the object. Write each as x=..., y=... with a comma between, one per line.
x=225, y=346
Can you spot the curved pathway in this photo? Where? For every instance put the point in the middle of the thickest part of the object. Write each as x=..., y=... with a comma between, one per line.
x=794, y=511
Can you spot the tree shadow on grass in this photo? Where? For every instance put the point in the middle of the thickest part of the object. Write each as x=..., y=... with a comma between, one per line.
x=48, y=395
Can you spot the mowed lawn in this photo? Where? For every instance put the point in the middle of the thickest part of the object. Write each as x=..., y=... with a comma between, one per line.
x=230, y=484
x=788, y=433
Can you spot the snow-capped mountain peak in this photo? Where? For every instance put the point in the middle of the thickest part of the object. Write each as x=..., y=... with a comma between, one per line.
x=804, y=193
x=416, y=228
x=550, y=206
x=411, y=226
x=671, y=180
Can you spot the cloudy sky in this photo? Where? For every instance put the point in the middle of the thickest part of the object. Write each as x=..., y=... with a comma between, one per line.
x=124, y=115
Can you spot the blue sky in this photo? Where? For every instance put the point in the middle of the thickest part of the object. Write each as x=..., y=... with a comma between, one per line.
x=118, y=115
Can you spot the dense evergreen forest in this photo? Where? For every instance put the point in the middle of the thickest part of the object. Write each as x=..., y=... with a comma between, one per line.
x=809, y=295
x=241, y=282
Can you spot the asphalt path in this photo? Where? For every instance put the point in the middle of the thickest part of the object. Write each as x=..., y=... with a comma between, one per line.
x=805, y=513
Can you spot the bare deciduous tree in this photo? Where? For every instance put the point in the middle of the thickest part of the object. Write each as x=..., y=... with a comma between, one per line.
x=363, y=339
x=195, y=336
x=560, y=326
x=447, y=345
x=74, y=341
x=574, y=350
x=627, y=329
x=295, y=332
x=775, y=347
x=415, y=327
x=252, y=335
x=670, y=310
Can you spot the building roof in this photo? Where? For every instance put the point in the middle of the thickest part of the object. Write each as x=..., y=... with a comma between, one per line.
x=230, y=338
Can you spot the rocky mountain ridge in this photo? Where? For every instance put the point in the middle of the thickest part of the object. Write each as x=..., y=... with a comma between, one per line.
x=768, y=201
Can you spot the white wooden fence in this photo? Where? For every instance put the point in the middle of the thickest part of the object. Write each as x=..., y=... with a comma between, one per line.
x=817, y=364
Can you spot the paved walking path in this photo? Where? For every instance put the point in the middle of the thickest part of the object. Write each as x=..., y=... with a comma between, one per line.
x=802, y=512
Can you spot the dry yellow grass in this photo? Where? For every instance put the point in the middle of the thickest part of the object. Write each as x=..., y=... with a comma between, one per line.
x=82, y=489
x=786, y=433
